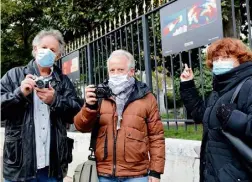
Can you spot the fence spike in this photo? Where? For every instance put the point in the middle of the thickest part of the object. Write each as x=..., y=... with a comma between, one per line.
x=152, y=4
x=81, y=41
x=78, y=42
x=114, y=23
x=110, y=26
x=88, y=37
x=136, y=11
x=75, y=44
x=101, y=30
x=130, y=14
x=84, y=40
x=125, y=18
x=66, y=48
x=93, y=34
x=119, y=19
x=144, y=7
x=97, y=33
x=105, y=27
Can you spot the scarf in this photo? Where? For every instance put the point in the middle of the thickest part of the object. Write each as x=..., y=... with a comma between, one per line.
x=122, y=93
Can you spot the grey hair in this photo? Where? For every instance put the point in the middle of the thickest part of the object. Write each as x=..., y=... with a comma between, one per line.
x=123, y=53
x=51, y=32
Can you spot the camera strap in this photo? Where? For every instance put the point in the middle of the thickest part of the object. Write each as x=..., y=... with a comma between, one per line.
x=95, y=130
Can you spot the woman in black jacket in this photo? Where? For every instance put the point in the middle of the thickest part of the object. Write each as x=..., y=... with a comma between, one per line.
x=231, y=63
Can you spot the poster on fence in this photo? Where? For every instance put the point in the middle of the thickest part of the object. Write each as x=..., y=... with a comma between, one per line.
x=190, y=24
x=71, y=66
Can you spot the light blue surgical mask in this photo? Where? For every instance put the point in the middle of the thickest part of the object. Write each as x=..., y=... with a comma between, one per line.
x=45, y=58
x=222, y=66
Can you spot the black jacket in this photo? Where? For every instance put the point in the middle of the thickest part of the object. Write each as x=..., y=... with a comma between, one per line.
x=219, y=162
x=19, y=155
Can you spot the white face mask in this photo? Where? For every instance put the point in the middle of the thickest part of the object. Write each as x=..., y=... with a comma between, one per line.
x=118, y=79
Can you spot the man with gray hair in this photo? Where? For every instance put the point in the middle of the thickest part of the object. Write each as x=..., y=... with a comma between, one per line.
x=130, y=145
x=37, y=102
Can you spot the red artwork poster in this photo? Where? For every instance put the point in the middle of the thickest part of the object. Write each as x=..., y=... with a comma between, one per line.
x=70, y=66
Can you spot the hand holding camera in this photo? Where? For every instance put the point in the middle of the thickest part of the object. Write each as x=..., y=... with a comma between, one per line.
x=27, y=85
x=42, y=82
x=44, y=90
x=45, y=94
x=92, y=93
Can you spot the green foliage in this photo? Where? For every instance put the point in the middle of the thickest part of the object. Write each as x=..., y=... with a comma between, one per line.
x=181, y=133
x=22, y=20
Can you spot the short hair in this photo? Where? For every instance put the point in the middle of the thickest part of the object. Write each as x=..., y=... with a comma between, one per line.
x=51, y=32
x=123, y=53
x=228, y=48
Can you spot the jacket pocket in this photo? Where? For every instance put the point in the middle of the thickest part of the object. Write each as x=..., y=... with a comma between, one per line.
x=70, y=145
x=135, y=149
x=13, y=152
x=231, y=174
x=66, y=148
x=101, y=152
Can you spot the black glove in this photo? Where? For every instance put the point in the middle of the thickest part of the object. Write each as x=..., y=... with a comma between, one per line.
x=224, y=112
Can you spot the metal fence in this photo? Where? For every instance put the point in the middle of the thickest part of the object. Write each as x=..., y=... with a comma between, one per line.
x=141, y=36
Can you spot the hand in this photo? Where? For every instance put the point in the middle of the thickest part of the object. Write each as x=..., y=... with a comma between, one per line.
x=27, y=85
x=46, y=94
x=187, y=74
x=224, y=112
x=153, y=179
x=90, y=96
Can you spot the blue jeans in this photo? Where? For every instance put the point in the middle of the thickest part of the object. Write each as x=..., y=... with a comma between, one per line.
x=42, y=176
x=115, y=179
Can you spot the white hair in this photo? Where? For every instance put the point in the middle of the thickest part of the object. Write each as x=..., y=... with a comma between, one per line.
x=55, y=33
x=122, y=53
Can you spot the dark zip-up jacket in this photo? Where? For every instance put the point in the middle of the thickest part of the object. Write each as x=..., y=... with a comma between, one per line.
x=19, y=154
x=219, y=162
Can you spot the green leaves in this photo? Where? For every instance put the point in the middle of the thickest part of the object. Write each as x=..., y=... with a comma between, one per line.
x=22, y=20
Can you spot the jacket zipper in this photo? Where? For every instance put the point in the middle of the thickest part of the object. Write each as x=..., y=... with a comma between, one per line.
x=114, y=148
x=114, y=156
x=115, y=137
x=34, y=141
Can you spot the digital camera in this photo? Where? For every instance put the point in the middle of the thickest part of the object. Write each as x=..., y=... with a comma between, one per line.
x=103, y=92
x=42, y=82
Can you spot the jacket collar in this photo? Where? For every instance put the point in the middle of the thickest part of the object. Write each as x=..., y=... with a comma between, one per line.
x=140, y=90
x=224, y=82
x=32, y=68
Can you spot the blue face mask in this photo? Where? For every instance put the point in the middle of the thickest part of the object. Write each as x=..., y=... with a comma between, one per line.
x=45, y=58
x=222, y=66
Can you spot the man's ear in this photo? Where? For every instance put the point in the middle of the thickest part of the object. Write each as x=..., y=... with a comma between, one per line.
x=35, y=48
x=132, y=72
x=57, y=57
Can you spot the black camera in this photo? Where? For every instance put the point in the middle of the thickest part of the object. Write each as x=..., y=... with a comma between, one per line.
x=103, y=92
x=42, y=82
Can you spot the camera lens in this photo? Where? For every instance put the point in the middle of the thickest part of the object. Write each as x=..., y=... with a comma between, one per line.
x=100, y=92
x=40, y=84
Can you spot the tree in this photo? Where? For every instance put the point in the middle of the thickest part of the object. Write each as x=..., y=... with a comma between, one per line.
x=22, y=20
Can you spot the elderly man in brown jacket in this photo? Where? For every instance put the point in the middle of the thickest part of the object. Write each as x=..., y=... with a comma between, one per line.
x=130, y=146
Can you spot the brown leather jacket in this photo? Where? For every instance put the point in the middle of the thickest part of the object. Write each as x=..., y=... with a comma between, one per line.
x=126, y=152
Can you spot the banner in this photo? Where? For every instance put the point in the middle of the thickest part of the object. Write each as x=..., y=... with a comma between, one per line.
x=188, y=24
x=71, y=66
